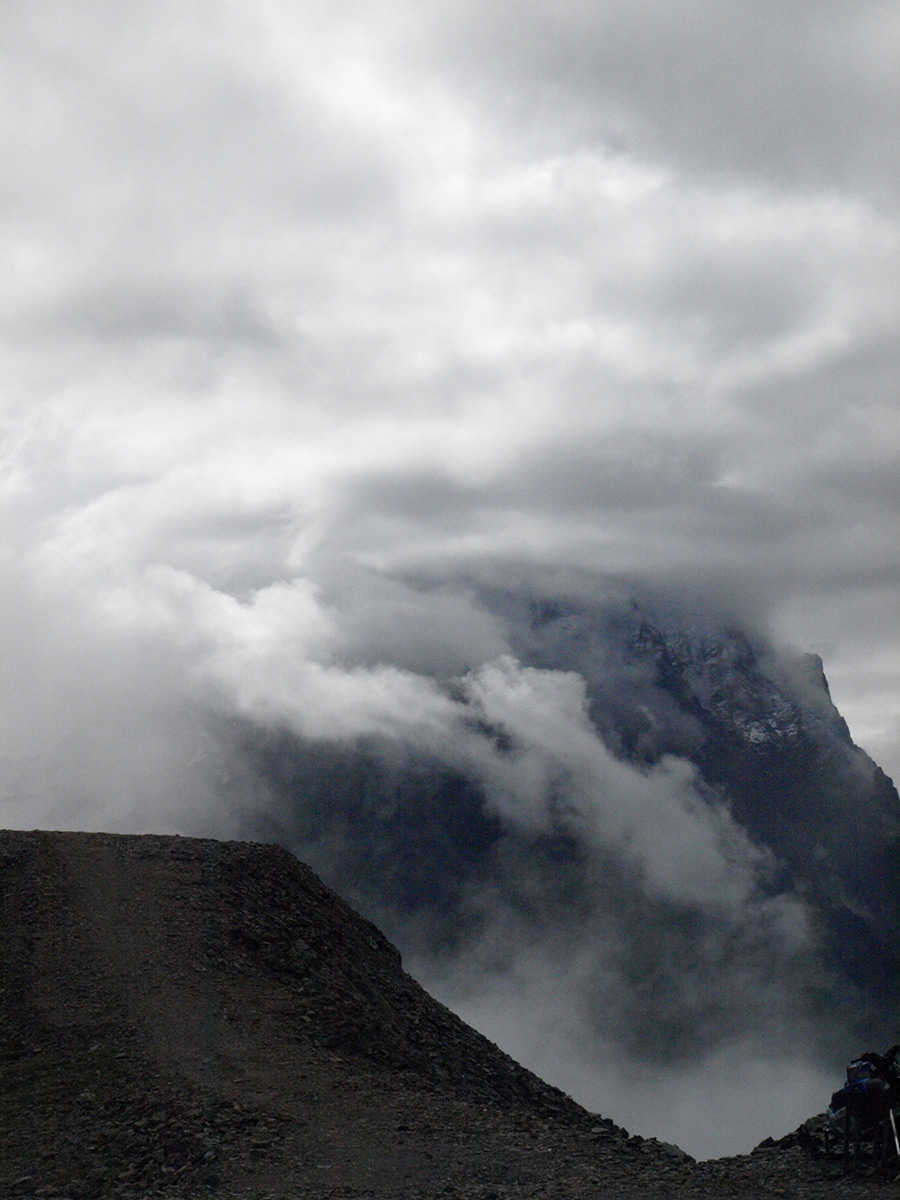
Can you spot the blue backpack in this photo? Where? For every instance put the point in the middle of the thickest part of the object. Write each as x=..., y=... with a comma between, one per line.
x=861, y=1075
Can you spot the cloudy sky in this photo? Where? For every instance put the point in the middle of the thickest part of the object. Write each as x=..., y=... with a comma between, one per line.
x=306, y=306
x=299, y=297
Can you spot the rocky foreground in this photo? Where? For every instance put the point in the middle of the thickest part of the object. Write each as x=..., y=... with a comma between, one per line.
x=188, y=1018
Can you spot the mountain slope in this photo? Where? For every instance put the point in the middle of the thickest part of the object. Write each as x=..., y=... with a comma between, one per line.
x=184, y=1017
x=762, y=731
x=199, y=1014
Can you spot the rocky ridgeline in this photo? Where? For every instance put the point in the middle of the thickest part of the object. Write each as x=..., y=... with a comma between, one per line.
x=192, y=1018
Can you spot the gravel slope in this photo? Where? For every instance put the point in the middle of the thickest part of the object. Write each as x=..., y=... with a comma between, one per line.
x=191, y=1018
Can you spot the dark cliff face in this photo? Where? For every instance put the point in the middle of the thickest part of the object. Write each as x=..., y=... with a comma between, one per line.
x=420, y=844
x=764, y=734
x=760, y=727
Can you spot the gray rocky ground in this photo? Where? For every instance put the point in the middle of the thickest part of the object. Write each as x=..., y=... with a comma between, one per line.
x=187, y=1018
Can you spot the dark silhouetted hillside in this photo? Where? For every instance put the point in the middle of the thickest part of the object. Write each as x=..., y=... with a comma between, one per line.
x=185, y=1017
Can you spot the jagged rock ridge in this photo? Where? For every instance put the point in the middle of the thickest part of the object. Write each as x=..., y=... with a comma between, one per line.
x=765, y=735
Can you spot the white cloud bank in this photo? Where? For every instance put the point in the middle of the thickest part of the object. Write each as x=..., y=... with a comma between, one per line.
x=296, y=299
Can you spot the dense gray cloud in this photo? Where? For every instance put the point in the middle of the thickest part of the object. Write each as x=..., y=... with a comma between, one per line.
x=800, y=93
x=312, y=315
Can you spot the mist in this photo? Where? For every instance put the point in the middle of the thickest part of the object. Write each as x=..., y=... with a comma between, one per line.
x=337, y=349
x=724, y=1102
x=607, y=922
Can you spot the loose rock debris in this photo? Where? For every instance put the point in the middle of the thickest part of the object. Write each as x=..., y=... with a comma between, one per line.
x=188, y=1018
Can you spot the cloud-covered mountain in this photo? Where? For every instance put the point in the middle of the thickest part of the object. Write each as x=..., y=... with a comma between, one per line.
x=641, y=840
x=329, y=336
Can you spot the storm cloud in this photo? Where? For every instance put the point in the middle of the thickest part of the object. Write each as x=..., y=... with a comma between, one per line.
x=317, y=321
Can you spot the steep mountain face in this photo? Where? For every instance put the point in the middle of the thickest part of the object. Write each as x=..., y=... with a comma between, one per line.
x=665, y=815
x=764, y=734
